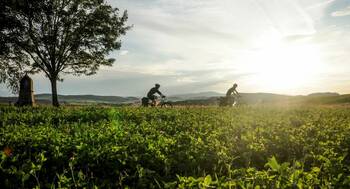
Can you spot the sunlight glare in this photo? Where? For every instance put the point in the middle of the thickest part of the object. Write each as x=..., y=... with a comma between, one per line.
x=282, y=67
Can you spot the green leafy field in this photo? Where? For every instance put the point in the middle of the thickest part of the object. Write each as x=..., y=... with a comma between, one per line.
x=189, y=147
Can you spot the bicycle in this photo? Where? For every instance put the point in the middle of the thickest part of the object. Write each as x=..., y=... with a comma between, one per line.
x=228, y=101
x=163, y=102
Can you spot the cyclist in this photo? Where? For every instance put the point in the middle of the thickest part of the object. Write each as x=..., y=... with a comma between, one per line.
x=230, y=95
x=151, y=94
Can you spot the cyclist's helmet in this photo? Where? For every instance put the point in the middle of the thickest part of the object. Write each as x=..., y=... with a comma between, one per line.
x=157, y=85
x=235, y=85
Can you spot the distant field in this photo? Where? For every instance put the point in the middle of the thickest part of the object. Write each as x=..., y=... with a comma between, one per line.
x=206, y=99
x=183, y=147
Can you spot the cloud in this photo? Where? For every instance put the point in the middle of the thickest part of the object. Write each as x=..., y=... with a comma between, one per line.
x=123, y=52
x=171, y=36
x=204, y=44
x=319, y=4
x=343, y=12
x=198, y=45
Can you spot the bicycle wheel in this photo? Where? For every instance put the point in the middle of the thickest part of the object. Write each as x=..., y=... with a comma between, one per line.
x=145, y=102
x=166, y=105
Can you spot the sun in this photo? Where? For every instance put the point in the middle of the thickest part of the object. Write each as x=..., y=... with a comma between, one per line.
x=283, y=68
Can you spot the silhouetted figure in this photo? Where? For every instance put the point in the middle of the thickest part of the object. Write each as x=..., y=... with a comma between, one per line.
x=230, y=95
x=26, y=96
x=151, y=94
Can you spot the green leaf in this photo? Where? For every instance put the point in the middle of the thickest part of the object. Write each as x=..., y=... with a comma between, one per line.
x=207, y=180
x=273, y=164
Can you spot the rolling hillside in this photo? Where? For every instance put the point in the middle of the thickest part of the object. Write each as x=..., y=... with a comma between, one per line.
x=77, y=99
x=205, y=98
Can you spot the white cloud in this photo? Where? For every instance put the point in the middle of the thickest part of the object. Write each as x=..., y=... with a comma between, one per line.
x=123, y=52
x=317, y=3
x=206, y=42
x=208, y=39
x=344, y=12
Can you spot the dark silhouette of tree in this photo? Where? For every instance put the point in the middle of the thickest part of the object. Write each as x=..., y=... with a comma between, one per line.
x=57, y=37
x=12, y=65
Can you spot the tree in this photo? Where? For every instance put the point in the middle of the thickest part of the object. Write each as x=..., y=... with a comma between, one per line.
x=12, y=65
x=58, y=37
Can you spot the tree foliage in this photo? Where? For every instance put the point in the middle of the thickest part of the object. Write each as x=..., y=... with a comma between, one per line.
x=58, y=37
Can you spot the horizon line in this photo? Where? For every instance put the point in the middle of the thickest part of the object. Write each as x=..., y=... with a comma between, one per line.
x=179, y=94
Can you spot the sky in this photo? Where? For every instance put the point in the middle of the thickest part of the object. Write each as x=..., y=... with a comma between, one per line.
x=188, y=46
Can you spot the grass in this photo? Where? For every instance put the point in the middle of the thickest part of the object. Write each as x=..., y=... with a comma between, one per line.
x=183, y=147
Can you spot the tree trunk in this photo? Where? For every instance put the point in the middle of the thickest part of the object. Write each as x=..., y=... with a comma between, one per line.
x=54, y=92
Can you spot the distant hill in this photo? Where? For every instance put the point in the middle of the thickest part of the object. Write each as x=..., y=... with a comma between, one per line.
x=89, y=98
x=203, y=98
x=269, y=98
x=246, y=98
x=194, y=96
x=339, y=99
x=82, y=99
x=323, y=94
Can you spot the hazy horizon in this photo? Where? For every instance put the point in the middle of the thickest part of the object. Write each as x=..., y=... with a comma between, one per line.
x=189, y=46
x=180, y=94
